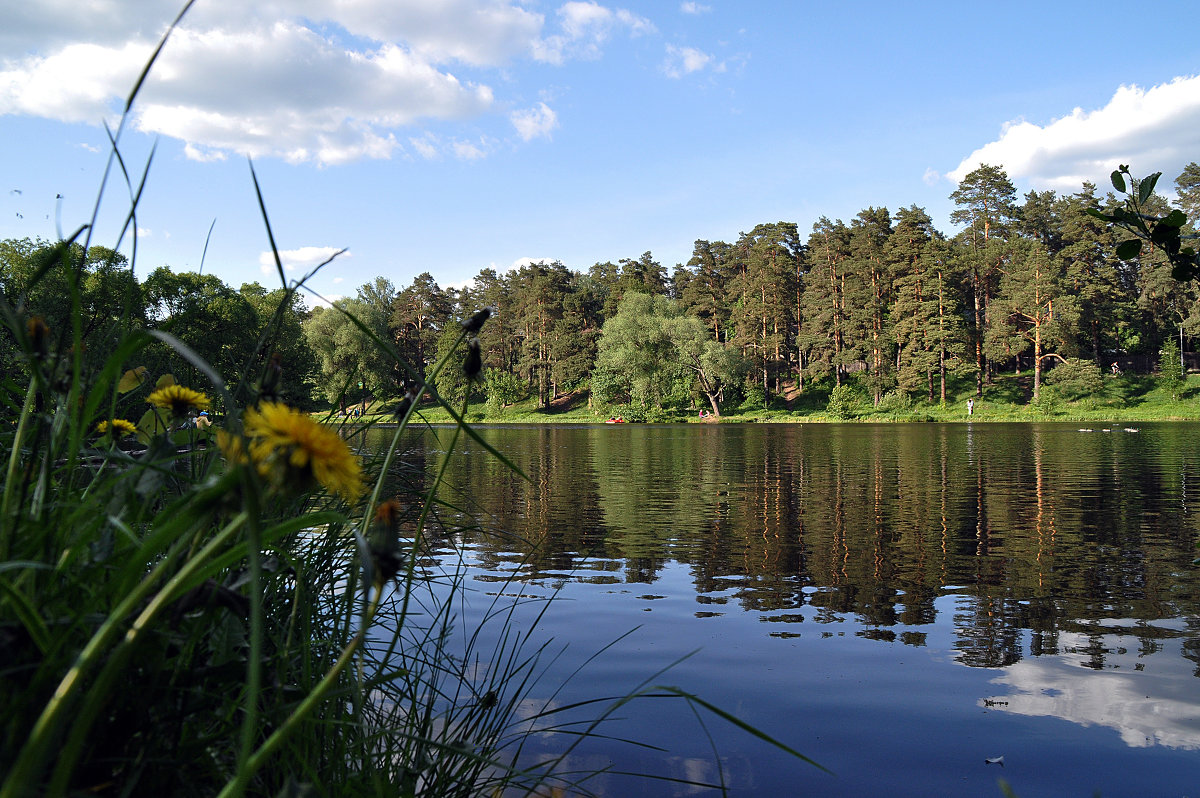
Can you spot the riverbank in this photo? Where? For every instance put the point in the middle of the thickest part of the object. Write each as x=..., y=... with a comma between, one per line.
x=1130, y=398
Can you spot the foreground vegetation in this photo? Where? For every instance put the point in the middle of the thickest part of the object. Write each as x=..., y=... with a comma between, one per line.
x=204, y=591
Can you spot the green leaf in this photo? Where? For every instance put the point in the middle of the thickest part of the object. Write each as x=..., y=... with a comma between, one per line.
x=1128, y=250
x=1164, y=234
x=131, y=379
x=1175, y=218
x=1118, y=181
x=1099, y=214
x=1146, y=187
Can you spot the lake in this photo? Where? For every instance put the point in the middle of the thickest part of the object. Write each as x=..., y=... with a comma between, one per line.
x=901, y=603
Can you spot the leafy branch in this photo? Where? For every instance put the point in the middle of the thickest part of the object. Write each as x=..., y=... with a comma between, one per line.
x=1164, y=232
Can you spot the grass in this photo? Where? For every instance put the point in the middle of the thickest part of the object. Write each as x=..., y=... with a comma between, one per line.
x=1126, y=398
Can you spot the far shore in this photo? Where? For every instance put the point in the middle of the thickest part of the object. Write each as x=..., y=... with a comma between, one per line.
x=1131, y=400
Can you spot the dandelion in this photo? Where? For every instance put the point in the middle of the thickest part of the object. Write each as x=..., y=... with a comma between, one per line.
x=119, y=428
x=232, y=447
x=182, y=402
x=291, y=449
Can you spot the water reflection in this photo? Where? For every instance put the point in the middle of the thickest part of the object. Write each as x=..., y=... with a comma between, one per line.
x=1036, y=526
x=1008, y=547
x=1118, y=699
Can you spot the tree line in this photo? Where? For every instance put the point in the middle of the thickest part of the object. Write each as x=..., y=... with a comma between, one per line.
x=886, y=303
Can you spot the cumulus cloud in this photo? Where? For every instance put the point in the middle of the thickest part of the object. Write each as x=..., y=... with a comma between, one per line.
x=682, y=61
x=302, y=80
x=1150, y=129
x=304, y=259
x=534, y=122
x=694, y=8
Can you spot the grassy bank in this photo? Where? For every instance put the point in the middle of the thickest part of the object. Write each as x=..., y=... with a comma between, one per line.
x=1125, y=398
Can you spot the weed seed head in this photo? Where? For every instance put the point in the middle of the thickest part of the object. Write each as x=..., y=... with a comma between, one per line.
x=474, y=362
x=475, y=323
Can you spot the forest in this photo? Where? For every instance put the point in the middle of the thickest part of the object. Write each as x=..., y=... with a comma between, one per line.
x=885, y=305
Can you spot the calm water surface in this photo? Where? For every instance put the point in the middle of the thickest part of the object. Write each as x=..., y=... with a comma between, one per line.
x=898, y=602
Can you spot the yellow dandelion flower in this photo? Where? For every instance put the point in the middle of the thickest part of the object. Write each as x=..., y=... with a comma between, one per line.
x=181, y=401
x=232, y=448
x=119, y=427
x=290, y=446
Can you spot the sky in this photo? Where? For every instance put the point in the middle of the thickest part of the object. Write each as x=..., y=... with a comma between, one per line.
x=447, y=137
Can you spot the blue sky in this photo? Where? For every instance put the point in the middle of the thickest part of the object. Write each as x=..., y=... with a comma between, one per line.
x=457, y=135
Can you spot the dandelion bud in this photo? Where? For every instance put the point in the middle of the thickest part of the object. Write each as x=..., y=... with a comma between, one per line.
x=269, y=388
x=402, y=407
x=39, y=335
x=386, y=557
x=474, y=362
x=475, y=323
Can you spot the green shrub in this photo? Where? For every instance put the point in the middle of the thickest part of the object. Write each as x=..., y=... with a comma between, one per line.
x=1075, y=379
x=1170, y=371
x=895, y=402
x=755, y=397
x=844, y=402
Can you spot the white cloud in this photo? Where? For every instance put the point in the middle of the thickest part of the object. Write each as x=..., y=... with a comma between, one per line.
x=426, y=146
x=304, y=259
x=1144, y=711
x=694, y=8
x=539, y=121
x=1149, y=129
x=301, y=80
x=585, y=26
x=931, y=177
x=468, y=150
x=682, y=61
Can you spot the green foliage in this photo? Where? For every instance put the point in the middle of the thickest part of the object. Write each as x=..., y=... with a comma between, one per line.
x=503, y=388
x=1162, y=231
x=844, y=402
x=654, y=354
x=1075, y=379
x=895, y=402
x=1048, y=401
x=753, y=397
x=1170, y=370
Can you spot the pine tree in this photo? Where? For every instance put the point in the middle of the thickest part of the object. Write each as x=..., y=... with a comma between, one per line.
x=1032, y=310
x=869, y=307
x=822, y=338
x=986, y=200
